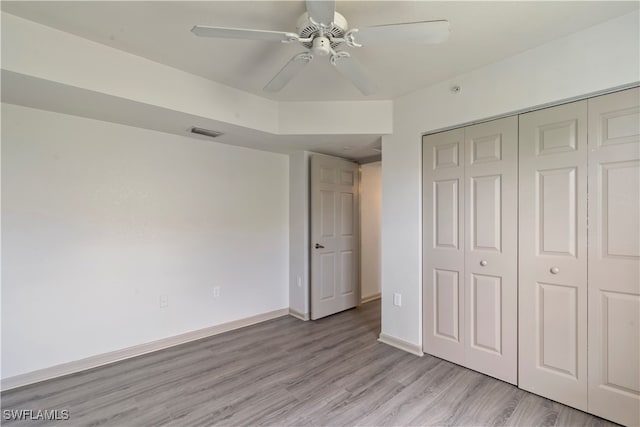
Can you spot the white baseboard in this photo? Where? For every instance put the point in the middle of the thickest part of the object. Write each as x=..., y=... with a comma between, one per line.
x=298, y=315
x=126, y=353
x=370, y=298
x=401, y=344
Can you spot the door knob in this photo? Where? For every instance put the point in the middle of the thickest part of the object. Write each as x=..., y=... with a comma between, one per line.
x=319, y=246
x=554, y=270
x=483, y=263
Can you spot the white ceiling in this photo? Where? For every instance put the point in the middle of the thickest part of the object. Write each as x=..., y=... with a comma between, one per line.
x=481, y=33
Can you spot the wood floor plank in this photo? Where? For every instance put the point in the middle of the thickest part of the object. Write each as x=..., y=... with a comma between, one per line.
x=286, y=372
x=534, y=410
x=415, y=398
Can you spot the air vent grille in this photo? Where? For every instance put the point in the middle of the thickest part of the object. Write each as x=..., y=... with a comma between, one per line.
x=206, y=132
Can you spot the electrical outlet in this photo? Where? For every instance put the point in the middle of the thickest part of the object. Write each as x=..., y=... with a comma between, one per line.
x=397, y=299
x=299, y=281
x=216, y=291
x=164, y=301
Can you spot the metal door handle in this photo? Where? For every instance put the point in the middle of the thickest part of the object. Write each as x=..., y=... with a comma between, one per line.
x=554, y=270
x=483, y=263
x=319, y=246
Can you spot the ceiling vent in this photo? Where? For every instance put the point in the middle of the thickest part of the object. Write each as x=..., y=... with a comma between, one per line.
x=206, y=132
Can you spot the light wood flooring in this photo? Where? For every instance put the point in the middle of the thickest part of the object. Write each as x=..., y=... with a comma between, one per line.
x=286, y=372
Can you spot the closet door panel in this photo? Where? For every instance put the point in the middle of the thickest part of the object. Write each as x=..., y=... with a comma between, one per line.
x=443, y=240
x=491, y=212
x=553, y=253
x=614, y=256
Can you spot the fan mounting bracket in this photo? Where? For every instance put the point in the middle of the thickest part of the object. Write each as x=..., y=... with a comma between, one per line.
x=349, y=38
x=337, y=55
x=293, y=37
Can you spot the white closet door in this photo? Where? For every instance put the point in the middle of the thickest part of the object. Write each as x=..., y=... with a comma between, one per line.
x=443, y=240
x=491, y=254
x=614, y=256
x=553, y=253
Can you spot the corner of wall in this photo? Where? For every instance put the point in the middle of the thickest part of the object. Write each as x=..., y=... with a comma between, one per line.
x=299, y=232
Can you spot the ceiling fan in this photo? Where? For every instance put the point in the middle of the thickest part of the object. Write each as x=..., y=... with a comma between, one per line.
x=322, y=31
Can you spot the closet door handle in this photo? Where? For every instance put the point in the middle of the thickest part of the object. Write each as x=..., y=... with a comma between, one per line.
x=483, y=263
x=554, y=270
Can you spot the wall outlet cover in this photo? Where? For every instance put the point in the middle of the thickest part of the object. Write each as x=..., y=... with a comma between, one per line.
x=397, y=299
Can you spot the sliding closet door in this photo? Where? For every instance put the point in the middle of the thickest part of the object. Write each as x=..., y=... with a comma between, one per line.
x=443, y=240
x=614, y=256
x=491, y=248
x=553, y=253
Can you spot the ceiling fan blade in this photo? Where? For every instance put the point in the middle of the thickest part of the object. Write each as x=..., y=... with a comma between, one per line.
x=288, y=72
x=322, y=11
x=352, y=70
x=241, y=33
x=425, y=32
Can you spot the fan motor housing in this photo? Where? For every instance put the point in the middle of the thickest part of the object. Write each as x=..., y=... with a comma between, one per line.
x=307, y=29
x=321, y=46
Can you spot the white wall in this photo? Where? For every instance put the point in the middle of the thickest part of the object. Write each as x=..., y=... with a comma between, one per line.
x=335, y=117
x=370, y=228
x=601, y=57
x=99, y=220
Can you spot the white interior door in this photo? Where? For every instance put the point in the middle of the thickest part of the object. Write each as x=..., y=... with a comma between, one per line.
x=491, y=248
x=553, y=253
x=334, y=235
x=443, y=240
x=614, y=256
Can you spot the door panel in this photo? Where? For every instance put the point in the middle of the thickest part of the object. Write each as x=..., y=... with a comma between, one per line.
x=558, y=328
x=486, y=148
x=326, y=218
x=622, y=337
x=553, y=253
x=443, y=257
x=614, y=256
x=486, y=313
x=447, y=308
x=347, y=285
x=556, y=137
x=346, y=212
x=446, y=213
x=557, y=211
x=328, y=268
x=620, y=212
x=486, y=215
x=491, y=257
x=334, y=227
